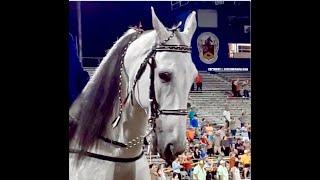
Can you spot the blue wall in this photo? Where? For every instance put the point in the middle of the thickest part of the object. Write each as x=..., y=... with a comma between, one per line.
x=103, y=22
x=227, y=32
x=78, y=78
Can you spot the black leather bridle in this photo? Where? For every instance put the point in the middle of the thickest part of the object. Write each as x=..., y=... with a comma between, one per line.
x=155, y=111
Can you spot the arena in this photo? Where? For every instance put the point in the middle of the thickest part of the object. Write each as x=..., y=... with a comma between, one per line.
x=200, y=129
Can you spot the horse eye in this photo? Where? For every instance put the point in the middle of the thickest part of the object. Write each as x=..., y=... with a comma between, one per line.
x=165, y=76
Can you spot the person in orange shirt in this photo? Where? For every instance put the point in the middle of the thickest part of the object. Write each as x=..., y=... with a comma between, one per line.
x=198, y=82
x=190, y=134
x=233, y=159
x=187, y=163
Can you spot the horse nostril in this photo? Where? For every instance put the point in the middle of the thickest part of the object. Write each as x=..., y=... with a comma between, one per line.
x=165, y=76
x=171, y=148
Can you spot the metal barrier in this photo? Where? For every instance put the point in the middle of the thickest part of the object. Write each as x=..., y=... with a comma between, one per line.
x=91, y=61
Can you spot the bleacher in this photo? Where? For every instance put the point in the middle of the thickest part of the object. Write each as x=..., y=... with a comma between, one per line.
x=210, y=103
x=90, y=70
x=234, y=76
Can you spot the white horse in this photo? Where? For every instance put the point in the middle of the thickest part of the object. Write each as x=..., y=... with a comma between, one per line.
x=144, y=78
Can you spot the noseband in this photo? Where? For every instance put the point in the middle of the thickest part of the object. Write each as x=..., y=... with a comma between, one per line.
x=155, y=111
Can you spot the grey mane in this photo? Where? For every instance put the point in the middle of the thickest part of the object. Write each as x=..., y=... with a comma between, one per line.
x=92, y=110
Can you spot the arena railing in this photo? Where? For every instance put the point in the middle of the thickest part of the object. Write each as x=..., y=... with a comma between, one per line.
x=91, y=61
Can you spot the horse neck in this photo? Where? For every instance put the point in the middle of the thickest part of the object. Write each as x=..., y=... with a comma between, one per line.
x=133, y=124
x=134, y=119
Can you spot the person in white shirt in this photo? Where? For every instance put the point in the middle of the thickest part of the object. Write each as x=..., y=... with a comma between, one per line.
x=226, y=115
x=244, y=132
x=160, y=172
x=222, y=132
x=217, y=144
x=176, y=167
x=222, y=171
x=235, y=172
x=245, y=86
x=199, y=172
x=242, y=118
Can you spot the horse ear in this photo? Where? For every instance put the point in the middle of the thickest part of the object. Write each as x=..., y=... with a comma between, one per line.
x=190, y=25
x=158, y=26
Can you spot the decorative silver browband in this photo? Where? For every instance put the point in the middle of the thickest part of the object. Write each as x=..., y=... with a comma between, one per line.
x=174, y=48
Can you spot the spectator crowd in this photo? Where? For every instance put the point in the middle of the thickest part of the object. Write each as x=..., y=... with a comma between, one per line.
x=216, y=151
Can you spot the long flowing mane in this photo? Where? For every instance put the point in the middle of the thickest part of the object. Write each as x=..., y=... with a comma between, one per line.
x=92, y=110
